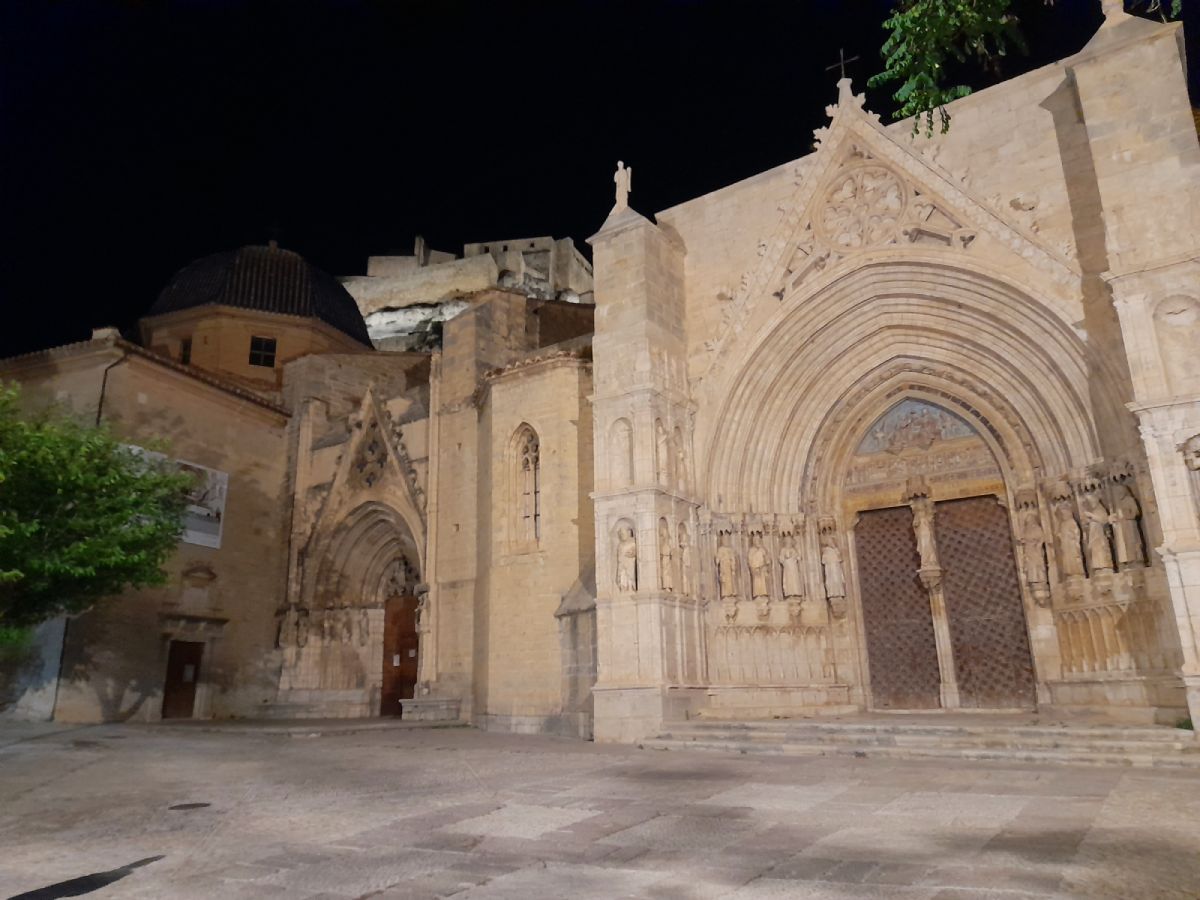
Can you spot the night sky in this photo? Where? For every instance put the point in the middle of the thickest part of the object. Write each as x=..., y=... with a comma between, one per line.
x=137, y=136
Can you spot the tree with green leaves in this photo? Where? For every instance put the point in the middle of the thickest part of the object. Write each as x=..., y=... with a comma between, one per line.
x=927, y=35
x=82, y=516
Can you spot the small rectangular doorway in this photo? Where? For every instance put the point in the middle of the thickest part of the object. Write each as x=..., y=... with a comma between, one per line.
x=399, y=654
x=183, y=672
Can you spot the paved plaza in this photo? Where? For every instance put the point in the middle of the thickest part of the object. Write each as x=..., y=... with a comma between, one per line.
x=392, y=812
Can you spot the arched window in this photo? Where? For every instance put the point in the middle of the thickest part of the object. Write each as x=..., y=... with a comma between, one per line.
x=529, y=488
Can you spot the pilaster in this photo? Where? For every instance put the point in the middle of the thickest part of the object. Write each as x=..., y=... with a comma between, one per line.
x=649, y=617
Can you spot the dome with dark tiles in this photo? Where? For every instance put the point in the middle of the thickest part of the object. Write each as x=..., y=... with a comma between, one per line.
x=267, y=279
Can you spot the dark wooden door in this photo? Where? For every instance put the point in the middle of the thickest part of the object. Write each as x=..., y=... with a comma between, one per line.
x=983, y=603
x=183, y=671
x=399, y=654
x=901, y=649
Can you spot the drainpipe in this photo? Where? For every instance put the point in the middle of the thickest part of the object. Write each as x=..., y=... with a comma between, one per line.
x=104, y=333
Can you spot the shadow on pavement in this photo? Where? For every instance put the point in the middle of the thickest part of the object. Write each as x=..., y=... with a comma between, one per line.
x=84, y=884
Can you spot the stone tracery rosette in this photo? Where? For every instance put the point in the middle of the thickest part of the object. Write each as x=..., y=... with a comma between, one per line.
x=863, y=207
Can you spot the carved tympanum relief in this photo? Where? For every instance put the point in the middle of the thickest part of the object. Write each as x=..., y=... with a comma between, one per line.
x=917, y=439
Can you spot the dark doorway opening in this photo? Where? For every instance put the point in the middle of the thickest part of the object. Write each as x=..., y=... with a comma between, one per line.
x=183, y=672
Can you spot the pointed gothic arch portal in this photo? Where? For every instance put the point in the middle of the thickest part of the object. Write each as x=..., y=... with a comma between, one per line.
x=352, y=644
x=942, y=614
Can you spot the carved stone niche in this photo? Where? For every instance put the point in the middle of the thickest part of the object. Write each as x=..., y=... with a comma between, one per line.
x=1033, y=541
x=833, y=570
x=197, y=592
x=367, y=467
x=1191, y=459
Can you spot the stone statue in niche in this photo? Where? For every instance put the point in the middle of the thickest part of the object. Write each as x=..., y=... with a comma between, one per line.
x=364, y=627
x=1191, y=453
x=626, y=559
x=831, y=563
x=726, y=568
x=685, y=560
x=1069, y=538
x=922, y=510
x=1191, y=458
x=666, y=558
x=1127, y=534
x=680, y=462
x=789, y=562
x=760, y=565
x=1033, y=545
x=302, y=628
x=662, y=454
x=347, y=626
x=623, y=179
x=1095, y=516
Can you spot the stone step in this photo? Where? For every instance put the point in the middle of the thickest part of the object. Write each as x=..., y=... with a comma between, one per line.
x=1058, y=741
x=1159, y=759
x=1181, y=741
x=1140, y=733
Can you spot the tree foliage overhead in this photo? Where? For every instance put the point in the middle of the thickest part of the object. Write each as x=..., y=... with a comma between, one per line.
x=82, y=516
x=927, y=35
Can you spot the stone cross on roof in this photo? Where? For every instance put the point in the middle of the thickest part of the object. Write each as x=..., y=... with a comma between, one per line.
x=841, y=63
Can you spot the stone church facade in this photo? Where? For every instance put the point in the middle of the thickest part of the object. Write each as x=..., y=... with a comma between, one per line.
x=908, y=423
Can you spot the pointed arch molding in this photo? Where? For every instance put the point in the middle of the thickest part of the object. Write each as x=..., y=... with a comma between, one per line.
x=356, y=555
x=969, y=338
x=367, y=522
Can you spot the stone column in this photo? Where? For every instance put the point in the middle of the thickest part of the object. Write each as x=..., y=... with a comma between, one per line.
x=930, y=574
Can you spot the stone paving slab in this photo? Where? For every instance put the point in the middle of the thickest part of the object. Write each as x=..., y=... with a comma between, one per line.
x=418, y=814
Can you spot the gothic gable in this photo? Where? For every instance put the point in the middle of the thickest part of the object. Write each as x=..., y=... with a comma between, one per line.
x=864, y=193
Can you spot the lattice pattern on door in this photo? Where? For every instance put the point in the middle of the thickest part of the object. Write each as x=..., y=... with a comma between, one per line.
x=901, y=650
x=983, y=603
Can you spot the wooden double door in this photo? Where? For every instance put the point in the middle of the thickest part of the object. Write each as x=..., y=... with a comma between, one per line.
x=984, y=618
x=399, y=654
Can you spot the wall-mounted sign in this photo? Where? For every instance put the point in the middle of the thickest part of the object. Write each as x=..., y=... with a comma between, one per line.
x=205, y=514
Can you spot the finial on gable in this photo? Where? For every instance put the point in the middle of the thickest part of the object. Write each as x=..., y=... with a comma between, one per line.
x=848, y=102
x=1113, y=9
